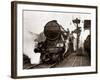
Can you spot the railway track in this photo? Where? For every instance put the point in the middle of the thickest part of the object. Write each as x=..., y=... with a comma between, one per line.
x=43, y=65
x=70, y=60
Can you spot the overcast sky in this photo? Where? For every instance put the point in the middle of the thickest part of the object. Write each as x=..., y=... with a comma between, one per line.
x=35, y=21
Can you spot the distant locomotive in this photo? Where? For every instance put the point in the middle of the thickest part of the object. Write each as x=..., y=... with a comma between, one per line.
x=53, y=48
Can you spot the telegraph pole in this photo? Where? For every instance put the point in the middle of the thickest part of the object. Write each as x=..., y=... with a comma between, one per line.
x=77, y=22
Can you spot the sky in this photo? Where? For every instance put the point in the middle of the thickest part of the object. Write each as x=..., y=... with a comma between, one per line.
x=35, y=21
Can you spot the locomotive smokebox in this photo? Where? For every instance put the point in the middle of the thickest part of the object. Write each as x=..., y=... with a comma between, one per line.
x=52, y=30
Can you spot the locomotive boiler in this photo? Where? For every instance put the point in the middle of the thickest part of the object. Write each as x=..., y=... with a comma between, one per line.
x=53, y=48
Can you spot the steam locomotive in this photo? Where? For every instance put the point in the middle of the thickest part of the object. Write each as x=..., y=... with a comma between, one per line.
x=53, y=48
